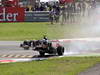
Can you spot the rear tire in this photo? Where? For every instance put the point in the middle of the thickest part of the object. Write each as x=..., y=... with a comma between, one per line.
x=60, y=50
x=41, y=53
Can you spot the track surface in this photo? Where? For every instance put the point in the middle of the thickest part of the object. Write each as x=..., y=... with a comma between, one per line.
x=12, y=48
x=95, y=70
x=73, y=47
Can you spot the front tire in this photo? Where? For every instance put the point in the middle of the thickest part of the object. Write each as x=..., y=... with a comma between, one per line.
x=21, y=45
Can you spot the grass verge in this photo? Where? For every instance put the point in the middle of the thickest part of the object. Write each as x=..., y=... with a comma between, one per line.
x=57, y=66
x=24, y=31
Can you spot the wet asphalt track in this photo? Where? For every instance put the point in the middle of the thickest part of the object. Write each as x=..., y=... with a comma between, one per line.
x=72, y=48
x=12, y=47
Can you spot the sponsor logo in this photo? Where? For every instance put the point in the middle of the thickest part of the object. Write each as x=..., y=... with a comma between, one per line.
x=11, y=14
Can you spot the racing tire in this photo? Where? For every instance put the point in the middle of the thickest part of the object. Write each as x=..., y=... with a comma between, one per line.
x=21, y=45
x=60, y=50
x=41, y=53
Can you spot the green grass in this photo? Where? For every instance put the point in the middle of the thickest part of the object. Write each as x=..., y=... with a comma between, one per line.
x=57, y=66
x=23, y=31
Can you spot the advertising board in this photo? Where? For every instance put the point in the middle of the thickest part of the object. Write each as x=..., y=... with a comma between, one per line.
x=37, y=16
x=18, y=14
x=12, y=14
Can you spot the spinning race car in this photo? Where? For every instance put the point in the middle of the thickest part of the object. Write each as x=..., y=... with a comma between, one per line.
x=44, y=46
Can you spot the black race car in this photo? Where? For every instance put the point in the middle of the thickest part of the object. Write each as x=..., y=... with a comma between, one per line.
x=44, y=46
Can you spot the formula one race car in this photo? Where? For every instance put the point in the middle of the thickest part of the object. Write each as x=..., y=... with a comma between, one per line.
x=44, y=46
